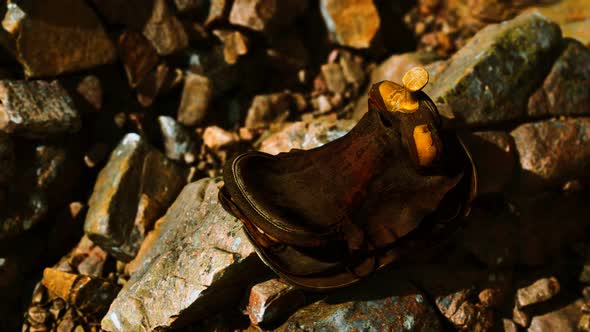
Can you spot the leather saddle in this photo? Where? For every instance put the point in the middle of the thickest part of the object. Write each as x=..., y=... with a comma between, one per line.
x=324, y=218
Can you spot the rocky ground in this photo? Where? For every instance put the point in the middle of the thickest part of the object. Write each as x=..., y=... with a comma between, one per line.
x=116, y=117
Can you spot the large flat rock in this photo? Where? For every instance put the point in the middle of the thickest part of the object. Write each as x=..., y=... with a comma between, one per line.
x=199, y=264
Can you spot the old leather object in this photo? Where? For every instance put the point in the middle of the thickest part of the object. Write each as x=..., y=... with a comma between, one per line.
x=326, y=217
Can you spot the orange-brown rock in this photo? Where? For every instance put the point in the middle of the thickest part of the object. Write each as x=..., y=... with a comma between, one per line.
x=197, y=94
x=60, y=36
x=164, y=30
x=91, y=295
x=267, y=16
x=352, y=23
x=138, y=56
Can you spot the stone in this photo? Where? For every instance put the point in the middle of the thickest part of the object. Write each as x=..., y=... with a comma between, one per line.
x=573, y=17
x=216, y=137
x=521, y=317
x=552, y=152
x=494, y=155
x=67, y=323
x=161, y=181
x=48, y=174
x=540, y=291
x=455, y=292
x=93, y=262
x=352, y=68
x=565, y=90
x=37, y=315
x=197, y=94
x=36, y=109
x=218, y=11
x=138, y=55
x=489, y=80
x=334, y=77
x=113, y=205
x=383, y=302
x=564, y=319
x=91, y=295
x=235, y=44
x=269, y=109
x=272, y=301
x=164, y=30
x=198, y=265
x=86, y=258
x=178, y=141
x=266, y=16
x=306, y=134
x=351, y=23
x=50, y=40
x=135, y=186
x=493, y=10
x=90, y=89
x=190, y=6
x=464, y=315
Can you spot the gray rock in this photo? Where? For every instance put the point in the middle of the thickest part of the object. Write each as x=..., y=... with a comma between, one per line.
x=199, y=264
x=177, y=140
x=306, y=134
x=131, y=191
x=334, y=76
x=113, y=204
x=490, y=79
x=36, y=109
x=381, y=303
x=565, y=90
x=552, y=152
x=268, y=109
x=196, y=97
x=164, y=30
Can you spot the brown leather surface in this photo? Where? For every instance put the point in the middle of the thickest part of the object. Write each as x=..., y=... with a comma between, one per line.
x=325, y=217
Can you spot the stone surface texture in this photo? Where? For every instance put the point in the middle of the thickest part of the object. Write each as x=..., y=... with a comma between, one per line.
x=489, y=80
x=553, y=152
x=382, y=303
x=566, y=90
x=50, y=40
x=198, y=265
x=36, y=109
x=352, y=23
